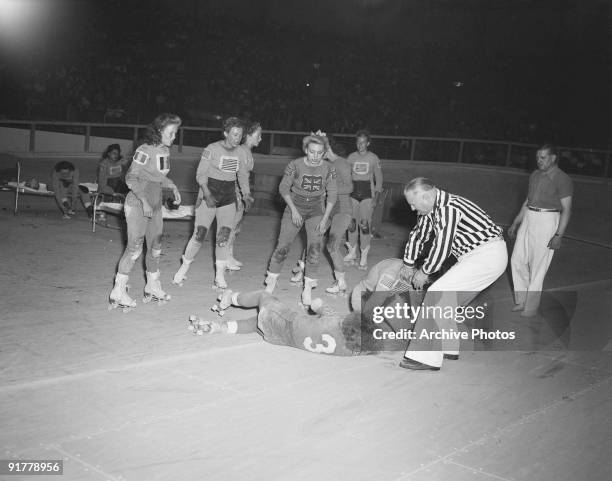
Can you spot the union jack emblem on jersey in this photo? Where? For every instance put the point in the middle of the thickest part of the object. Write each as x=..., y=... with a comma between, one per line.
x=312, y=183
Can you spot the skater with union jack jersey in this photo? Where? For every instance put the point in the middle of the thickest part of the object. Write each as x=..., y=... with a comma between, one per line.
x=307, y=184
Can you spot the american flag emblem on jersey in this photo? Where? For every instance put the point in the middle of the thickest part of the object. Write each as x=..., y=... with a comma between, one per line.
x=361, y=167
x=163, y=163
x=312, y=183
x=140, y=157
x=393, y=284
x=228, y=164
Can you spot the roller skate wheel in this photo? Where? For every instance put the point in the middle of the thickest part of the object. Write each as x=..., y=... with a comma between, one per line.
x=200, y=332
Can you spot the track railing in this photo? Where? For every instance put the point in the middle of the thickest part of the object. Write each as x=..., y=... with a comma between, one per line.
x=574, y=160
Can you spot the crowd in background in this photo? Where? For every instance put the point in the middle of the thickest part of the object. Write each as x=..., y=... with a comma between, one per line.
x=287, y=78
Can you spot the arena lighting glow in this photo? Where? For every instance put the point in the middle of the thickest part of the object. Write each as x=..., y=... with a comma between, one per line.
x=24, y=22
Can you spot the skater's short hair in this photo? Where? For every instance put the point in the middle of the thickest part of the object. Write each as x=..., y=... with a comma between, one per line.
x=419, y=182
x=314, y=139
x=363, y=133
x=251, y=128
x=231, y=122
x=336, y=146
x=153, y=134
x=64, y=165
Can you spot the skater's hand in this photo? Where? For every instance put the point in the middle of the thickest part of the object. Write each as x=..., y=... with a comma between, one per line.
x=211, y=202
x=512, y=230
x=296, y=218
x=177, y=196
x=147, y=210
x=248, y=202
x=322, y=227
x=555, y=242
x=406, y=273
x=419, y=279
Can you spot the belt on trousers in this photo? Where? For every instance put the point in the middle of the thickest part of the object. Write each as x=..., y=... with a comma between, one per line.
x=537, y=209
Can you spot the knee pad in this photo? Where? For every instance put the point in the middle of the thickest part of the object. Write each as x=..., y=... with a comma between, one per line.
x=280, y=254
x=364, y=227
x=155, y=253
x=352, y=226
x=136, y=250
x=332, y=243
x=314, y=252
x=223, y=236
x=200, y=233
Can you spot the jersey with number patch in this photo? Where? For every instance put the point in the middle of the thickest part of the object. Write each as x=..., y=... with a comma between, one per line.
x=219, y=162
x=308, y=181
x=148, y=175
x=366, y=167
x=324, y=334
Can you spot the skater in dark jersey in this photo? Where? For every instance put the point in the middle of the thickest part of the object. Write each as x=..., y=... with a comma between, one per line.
x=324, y=331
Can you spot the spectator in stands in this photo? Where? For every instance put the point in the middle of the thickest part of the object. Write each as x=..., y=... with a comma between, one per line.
x=65, y=184
x=111, y=172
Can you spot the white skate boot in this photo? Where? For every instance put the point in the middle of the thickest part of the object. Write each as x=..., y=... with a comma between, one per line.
x=338, y=288
x=181, y=274
x=351, y=257
x=220, y=282
x=270, y=282
x=224, y=300
x=232, y=263
x=363, y=262
x=309, y=285
x=153, y=290
x=298, y=273
x=119, y=297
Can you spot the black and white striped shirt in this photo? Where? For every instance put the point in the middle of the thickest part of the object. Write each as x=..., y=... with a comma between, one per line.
x=459, y=226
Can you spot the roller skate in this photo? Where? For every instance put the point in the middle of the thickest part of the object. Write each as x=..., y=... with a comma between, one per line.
x=363, y=262
x=196, y=325
x=199, y=326
x=220, y=282
x=338, y=288
x=298, y=273
x=309, y=285
x=119, y=298
x=224, y=301
x=181, y=274
x=270, y=282
x=350, y=259
x=153, y=290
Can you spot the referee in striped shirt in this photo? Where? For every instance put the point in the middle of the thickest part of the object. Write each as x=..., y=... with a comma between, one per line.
x=460, y=228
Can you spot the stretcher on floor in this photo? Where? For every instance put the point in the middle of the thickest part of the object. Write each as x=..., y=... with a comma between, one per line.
x=20, y=188
x=114, y=206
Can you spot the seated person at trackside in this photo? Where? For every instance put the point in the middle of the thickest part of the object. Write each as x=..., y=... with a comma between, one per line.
x=65, y=185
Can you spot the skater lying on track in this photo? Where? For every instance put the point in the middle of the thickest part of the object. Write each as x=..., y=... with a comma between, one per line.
x=325, y=331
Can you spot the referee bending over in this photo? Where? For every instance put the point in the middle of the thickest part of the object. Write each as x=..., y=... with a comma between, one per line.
x=462, y=229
